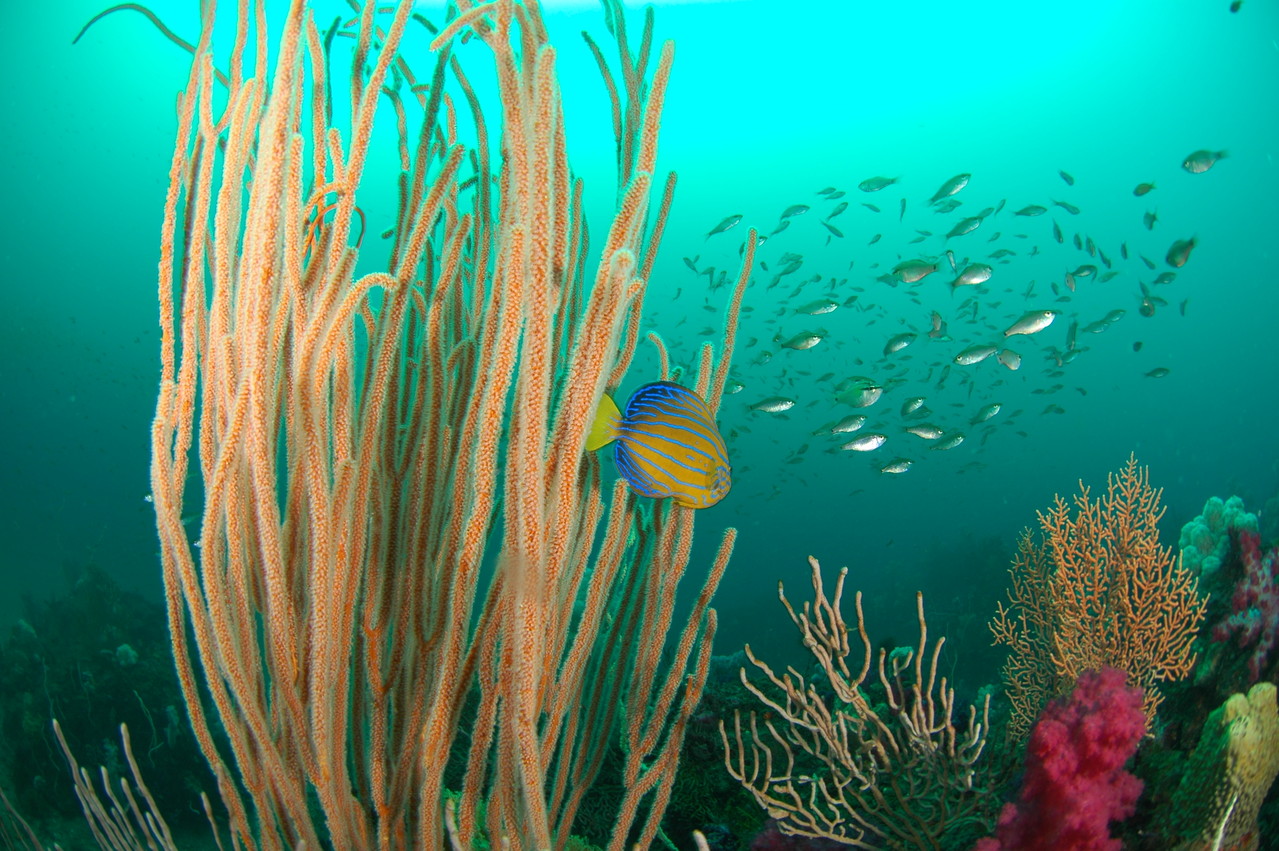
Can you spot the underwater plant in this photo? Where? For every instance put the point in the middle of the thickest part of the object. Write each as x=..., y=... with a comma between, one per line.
x=897, y=775
x=1097, y=590
x=406, y=561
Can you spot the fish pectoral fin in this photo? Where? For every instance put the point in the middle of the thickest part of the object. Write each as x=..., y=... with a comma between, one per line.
x=604, y=428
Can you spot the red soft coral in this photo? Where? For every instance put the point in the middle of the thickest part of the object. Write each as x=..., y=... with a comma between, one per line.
x=1255, y=603
x=1075, y=783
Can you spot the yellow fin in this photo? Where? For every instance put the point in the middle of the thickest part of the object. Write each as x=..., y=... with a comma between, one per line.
x=604, y=428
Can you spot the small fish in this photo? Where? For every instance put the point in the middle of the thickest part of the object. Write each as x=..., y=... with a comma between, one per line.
x=1009, y=358
x=950, y=441
x=1031, y=210
x=1142, y=189
x=866, y=443
x=911, y=405
x=897, y=465
x=876, y=238
x=666, y=444
x=1165, y=278
x=1136, y=345
x=964, y=226
x=802, y=341
x=834, y=230
x=1149, y=220
x=1201, y=161
x=973, y=274
x=839, y=208
x=1057, y=234
x=927, y=431
x=794, y=210
x=1031, y=322
x=1068, y=207
x=899, y=342
x=1158, y=372
x=1070, y=181
x=858, y=392
x=1085, y=271
x=938, y=331
x=870, y=207
x=730, y=222
x=1179, y=253
x=902, y=214
x=773, y=405
x=874, y=184
x=985, y=413
x=950, y=187
x=910, y=271
x=1236, y=5
x=848, y=424
x=975, y=354
x=733, y=387
x=1182, y=306
x=817, y=308
x=692, y=264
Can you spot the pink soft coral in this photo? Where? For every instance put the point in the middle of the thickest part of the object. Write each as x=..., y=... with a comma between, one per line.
x=1075, y=783
x=1255, y=603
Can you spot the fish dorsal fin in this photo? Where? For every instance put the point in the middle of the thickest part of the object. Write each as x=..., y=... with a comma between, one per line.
x=604, y=428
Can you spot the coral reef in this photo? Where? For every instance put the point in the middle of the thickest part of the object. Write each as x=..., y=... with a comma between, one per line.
x=1255, y=604
x=1076, y=784
x=1228, y=775
x=1205, y=541
x=94, y=659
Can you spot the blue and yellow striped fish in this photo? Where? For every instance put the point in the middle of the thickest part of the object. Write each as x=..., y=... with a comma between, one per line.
x=666, y=444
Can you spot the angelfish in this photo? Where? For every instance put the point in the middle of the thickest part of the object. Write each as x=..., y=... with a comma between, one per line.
x=665, y=444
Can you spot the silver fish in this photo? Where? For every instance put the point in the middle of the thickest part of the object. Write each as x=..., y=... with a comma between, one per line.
x=964, y=226
x=985, y=413
x=803, y=340
x=975, y=354
x=1201, y=161
x=1180, y=252
x=1031, y=322
x=927, y=431
x=899, y=342
x=911, y=405
x=950, y=441
x=848, y=424
x=730, y=222
x=973, y=274
x=950, y=187
x=910, y=271
x=874, y=184
x=897, y=465
x=866, y=442
x=773, y=405
x=1009, y=358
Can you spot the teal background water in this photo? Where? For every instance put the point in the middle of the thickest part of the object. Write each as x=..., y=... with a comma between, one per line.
x=768, y=104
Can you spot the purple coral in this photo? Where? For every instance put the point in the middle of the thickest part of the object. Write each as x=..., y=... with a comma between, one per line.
x=1255, y=603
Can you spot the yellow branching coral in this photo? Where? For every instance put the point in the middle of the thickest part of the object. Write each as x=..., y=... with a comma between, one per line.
x=1097, y=590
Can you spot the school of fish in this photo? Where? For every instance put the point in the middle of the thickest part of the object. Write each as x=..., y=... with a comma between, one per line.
x=1026, y=290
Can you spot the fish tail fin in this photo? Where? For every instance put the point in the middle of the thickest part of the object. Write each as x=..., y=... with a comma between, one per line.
x=604, y=426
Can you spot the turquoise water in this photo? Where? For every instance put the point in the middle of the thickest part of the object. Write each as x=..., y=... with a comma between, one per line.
x=767, y=106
